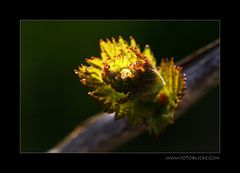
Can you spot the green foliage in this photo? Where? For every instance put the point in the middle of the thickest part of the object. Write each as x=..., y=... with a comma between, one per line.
x=128, y=82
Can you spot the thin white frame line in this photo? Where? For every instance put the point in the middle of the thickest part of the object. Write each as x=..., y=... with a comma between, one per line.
x=113, y=152
x=117, y=20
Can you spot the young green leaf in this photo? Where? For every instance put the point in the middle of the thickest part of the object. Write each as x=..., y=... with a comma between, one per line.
x=128, y=82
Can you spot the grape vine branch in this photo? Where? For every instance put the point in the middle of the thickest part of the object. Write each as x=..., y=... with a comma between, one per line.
x=101, y=133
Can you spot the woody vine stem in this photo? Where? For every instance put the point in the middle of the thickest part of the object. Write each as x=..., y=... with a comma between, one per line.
x=103, y=133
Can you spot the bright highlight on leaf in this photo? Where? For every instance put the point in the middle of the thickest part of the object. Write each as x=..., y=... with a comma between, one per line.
x=128, y=82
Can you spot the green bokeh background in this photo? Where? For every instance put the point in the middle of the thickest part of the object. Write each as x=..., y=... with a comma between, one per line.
x=53, y=101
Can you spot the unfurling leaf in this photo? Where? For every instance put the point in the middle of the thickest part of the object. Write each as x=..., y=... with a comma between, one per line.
x=128, y=82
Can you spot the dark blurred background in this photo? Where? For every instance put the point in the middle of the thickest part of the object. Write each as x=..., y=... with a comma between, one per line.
x=53, y=101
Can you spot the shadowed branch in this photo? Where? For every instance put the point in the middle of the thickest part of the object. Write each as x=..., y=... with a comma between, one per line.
x=102, y=133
